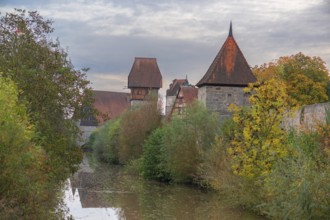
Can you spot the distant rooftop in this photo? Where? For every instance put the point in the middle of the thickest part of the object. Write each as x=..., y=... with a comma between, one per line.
x=188, y=94
x=145, y=74
x=109, y=104
x=175, y=86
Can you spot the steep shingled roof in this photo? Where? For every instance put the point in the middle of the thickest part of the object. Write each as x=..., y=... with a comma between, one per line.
x=145, y=74
x=229, y=67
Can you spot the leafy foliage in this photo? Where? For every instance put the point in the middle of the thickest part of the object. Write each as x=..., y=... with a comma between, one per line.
x=53, y=91
x=106, y=142
x=174, y=151
x=136, y=125
x=323, y=130
x=306, y=78
x=185, y=141
x=153, y=164
x=23, y=181
x=215, y=170
x=298, y=187
x=38, y=129
x=259, y=139
x=121, y=140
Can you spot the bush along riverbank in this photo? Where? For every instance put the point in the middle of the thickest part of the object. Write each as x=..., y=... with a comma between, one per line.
x=248, y=159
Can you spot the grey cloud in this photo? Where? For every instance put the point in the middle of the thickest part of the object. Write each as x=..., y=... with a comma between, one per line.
x=262, y=31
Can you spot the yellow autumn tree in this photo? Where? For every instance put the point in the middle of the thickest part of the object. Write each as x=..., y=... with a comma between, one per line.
x=259, y=139
x=306, y=77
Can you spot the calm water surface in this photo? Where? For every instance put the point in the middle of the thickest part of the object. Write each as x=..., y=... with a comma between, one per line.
x=110, y=193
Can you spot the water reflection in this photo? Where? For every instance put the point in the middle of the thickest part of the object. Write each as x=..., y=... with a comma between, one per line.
x=84, y=209
x=110, y=193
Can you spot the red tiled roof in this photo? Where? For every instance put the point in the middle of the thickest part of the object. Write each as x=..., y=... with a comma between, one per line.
x=229, y=67
x=188, y=94
x=145, y=73
x=175, y=86
x=109, y=105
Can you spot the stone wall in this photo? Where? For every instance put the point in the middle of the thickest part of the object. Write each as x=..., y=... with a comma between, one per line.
x=218, y=98
x=308, y=116
x=169, y=104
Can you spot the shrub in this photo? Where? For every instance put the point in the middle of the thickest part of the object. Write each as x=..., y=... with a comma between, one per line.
x=153, y=163
x=106, y=143
x=299, y=185
x=185, y=140
x=215, y=169
x=91, y=140
x=136, y=125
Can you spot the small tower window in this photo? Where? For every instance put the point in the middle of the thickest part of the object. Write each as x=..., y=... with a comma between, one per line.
x=229, y=99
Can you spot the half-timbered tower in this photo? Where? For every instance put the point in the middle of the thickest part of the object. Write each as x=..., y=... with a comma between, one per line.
x=144, y=78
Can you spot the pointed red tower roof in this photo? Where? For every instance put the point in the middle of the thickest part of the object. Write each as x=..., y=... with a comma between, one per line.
x=229, y=67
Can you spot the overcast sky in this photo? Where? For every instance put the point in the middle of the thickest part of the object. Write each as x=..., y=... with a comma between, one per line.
x=184, y=35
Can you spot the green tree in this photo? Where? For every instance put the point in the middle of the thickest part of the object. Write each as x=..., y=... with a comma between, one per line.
x=52, y=89
x=307, y=78
x=153, y=165
x=24, y=192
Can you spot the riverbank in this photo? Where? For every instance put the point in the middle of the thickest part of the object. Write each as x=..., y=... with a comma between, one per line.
x=109, y=192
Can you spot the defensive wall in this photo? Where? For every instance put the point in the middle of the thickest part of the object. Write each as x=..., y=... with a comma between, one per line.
x=308, y=116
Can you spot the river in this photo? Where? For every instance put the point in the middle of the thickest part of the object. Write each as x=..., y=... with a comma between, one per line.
x=108, y=192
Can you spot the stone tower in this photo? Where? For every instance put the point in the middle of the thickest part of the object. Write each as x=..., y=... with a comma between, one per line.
x=225, y=79
x=144, y=78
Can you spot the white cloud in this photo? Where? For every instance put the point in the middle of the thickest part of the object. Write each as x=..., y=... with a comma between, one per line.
x=108, y=82
x=168, y=20
x=188, y=20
